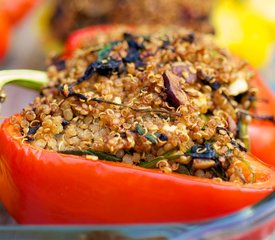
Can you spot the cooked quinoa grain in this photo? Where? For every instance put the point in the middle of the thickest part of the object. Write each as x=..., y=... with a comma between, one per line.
x=171, y=100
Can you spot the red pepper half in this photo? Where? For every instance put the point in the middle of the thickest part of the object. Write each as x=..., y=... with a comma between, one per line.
x=5, y=29
x=261, y=132
x=40, y=186
x=11, y=12
x=17, y=9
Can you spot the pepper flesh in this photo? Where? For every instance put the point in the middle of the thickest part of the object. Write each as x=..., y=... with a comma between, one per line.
x=44, y=187
x=41, y=186
x=262, y=133
x=5, y=31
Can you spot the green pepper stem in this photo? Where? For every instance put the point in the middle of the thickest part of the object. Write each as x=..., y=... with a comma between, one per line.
x=31, y=79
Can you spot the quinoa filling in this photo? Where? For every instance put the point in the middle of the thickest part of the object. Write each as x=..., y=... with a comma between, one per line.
x=171, y=100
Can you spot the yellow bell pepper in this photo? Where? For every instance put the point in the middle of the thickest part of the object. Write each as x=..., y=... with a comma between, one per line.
x=246, y=27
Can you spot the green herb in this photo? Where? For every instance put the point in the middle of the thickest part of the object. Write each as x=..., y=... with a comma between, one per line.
x=105, y=51
x=204, y=117
x=169, y=155
x=99, y=154
x=219, y=172
x=140, y=130
x=253, y=180
x=152, y=163
x=149, y=136
x=152, y=138
x=242, y=130
x=214, y=53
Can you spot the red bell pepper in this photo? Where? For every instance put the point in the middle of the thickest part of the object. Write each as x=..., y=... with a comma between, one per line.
x=5, y=30
x=17, y=9
x=11, y=12
x=261, y=133
x=41, y=186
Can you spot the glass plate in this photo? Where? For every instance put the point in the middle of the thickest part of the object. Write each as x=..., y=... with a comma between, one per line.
x=256, y=222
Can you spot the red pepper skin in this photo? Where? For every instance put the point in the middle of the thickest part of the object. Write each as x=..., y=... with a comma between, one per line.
x=11, y=12
x=5, y=31
x=262, y=133
x=17, y=9
x=45, y=187
x=79, y=37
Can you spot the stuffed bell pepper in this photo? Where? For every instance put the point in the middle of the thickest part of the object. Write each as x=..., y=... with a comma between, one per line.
x=11, y=13
x=63, y=17
x=138, y=128
x=260, y=119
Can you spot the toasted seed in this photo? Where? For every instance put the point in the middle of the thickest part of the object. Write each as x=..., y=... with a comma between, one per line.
x=30, y=115
x=68, y=114
x=184, y=159
x=202, y=163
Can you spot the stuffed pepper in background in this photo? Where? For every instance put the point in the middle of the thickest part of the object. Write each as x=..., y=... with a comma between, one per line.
x=5, y=29
x=141, y=127
x=67, y=16
x=247, y=28
x=11, y=13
